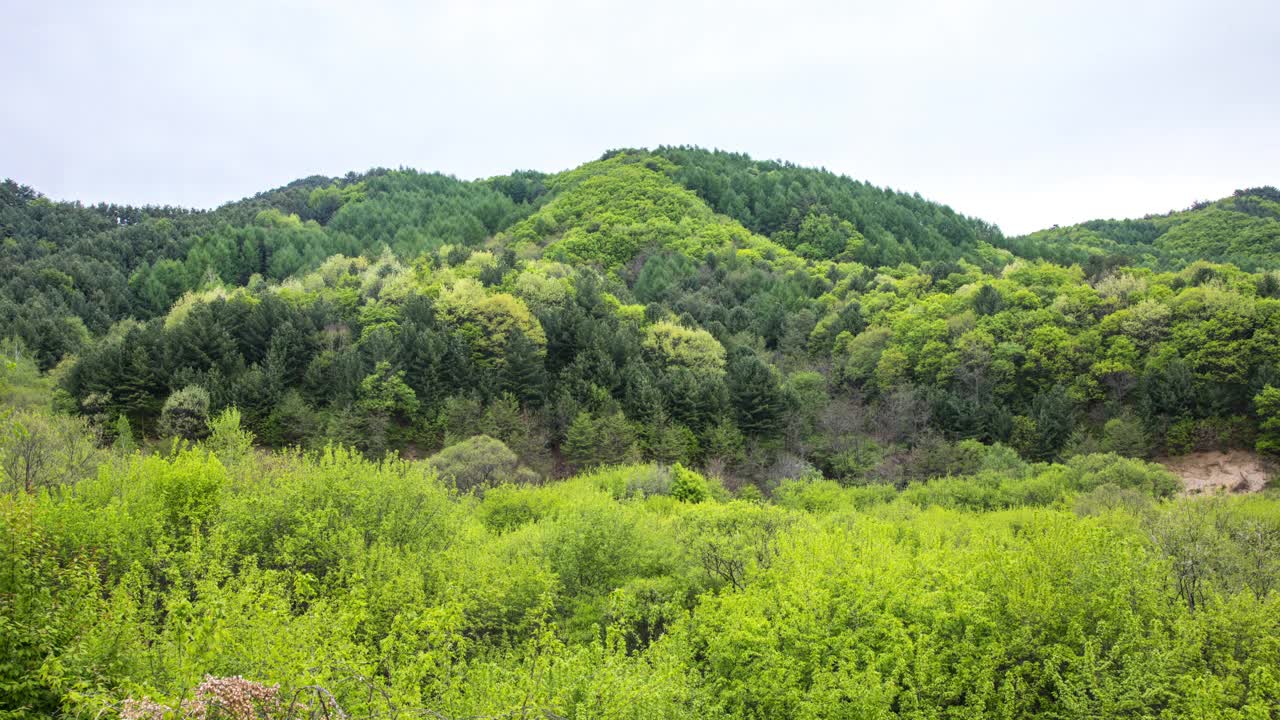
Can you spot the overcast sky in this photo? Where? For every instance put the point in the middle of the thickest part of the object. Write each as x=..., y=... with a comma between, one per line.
x=1024, y=113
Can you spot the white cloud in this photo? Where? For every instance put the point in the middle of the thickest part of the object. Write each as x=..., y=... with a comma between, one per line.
x=1025, y=114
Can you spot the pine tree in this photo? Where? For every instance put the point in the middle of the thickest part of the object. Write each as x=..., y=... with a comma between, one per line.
x=523, y=373
x=758, y=401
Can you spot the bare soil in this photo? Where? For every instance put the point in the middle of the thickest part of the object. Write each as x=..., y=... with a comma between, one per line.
x=1213, y=472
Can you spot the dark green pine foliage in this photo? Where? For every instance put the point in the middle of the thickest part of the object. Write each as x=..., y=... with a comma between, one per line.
x=828, y=215
x=758, y=401
x=617, y=287
x=523, y=372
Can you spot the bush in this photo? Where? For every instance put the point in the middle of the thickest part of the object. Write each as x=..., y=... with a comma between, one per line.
x=39, y=450
x=228, y=438
x=186, y=413
x=1092, y=471
x=1267, y=404
x=479, y=462
x=687, y=485
x=1124, y=436
x=1105, y=498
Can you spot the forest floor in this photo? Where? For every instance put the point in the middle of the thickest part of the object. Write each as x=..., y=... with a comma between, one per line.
x=1209, y=472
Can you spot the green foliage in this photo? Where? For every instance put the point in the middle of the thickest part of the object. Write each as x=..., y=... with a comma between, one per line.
x=1267, y=406
x=600, y=440
x=756, y=319
x=124, y=441
x=687, y=485
x=385, y=392
x=329, y=569
x=823, y=215
x=673, y=345
x=757, y=395
x=479, y=462
x=226, y=435
x=1124, y=436
x=38, y=450
x=888, y=387
x=186, y=413
x=1243, y=229
x=609, y=211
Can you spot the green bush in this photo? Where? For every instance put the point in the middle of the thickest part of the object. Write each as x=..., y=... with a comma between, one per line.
x=687, y=485
x=479, y=462
x=186, y=414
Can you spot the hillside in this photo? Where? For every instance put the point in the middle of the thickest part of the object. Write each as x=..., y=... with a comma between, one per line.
x=675, y=305
x=821, y=215
x=672, y=434
x=67, y=265
x=1243, y=229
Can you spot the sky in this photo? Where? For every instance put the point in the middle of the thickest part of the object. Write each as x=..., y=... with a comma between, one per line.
x=1025, y=114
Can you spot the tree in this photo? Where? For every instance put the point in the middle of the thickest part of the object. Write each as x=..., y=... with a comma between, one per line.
x=863, y=353
x=732, y=541
x=806, y=398
x=324, y=202
x=384, y=392
x=186, y=413
x=227, y=438
x=687, y=485
x=1267, y=406
x=37, y=450
x=987, y=300
x=1124, y=436
x=600, y=440
x=672, y=344
x=1187, y=538
x=487, y=323
x=661, y=275
x=124, y=441
x=479, y=462
x=1118, y=369
x=758, y=401
x=1052, y=417
x=1168, y=390
x=723, y=447
x=524, y=373
x=668, y=442
x=291, y=422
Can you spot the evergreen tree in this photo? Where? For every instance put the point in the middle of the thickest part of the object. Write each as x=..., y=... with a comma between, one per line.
x=600, y=440
x=758, y=400
x=523, y=372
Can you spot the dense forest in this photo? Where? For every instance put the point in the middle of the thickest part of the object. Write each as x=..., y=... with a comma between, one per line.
x=675, y=433
x=1243, y=229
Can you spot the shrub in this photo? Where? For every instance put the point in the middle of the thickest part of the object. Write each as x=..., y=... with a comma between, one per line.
x=687, y=485
x=186, y=413
x=1124, y=436
x=478, y=462
x=1092, y=471
x=227, y=437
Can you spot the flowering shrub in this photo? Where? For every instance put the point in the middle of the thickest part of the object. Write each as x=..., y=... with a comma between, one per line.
x=216, y=698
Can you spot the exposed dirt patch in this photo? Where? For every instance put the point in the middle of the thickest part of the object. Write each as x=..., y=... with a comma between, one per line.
x=1210, y=472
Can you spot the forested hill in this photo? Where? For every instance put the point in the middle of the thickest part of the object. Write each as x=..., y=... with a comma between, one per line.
x=1243, y=229
x=819, y=450
x=65, y=265
x=817, y=213
x=679, y=305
